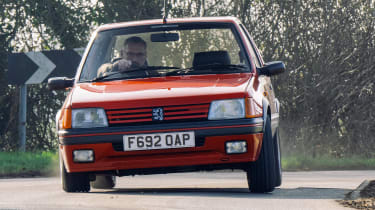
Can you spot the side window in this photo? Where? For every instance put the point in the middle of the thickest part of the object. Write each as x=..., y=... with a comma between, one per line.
x=254, y=57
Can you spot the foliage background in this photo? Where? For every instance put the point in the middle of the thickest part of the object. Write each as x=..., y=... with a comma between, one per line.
x=327, y=95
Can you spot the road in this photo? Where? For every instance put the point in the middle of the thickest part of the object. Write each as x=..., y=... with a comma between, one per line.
x=204, y=190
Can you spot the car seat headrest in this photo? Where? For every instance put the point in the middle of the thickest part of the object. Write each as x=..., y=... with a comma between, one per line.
x=211, y=57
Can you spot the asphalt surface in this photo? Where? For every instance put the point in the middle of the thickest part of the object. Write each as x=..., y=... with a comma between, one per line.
x=204, y=190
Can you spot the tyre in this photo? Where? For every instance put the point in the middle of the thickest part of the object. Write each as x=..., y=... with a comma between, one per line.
x=261, y=175
x=278, y=169
x=73, y=182
x=103, y=182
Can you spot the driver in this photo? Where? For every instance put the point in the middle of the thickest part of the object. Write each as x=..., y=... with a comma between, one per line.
x=133, y=55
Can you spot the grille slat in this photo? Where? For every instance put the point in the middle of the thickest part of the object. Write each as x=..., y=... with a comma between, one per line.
x=185, y=117
x=129, y=116
x=186, y=112
x=128, y=121
x=129, y=111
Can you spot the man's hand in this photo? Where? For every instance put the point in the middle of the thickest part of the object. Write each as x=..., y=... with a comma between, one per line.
x=120, y=65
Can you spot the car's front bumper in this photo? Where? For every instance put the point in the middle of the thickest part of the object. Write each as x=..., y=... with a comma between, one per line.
x=210, y=138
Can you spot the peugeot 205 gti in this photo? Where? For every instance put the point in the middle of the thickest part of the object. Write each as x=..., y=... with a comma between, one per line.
x=169, y=95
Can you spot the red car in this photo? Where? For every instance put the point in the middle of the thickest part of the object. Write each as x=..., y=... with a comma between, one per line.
x=169, y=95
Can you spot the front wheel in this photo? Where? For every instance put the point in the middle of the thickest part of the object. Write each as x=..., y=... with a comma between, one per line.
x=73, y=182
x=261, y=176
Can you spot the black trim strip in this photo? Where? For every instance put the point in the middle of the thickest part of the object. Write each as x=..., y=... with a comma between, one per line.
x=104, y=135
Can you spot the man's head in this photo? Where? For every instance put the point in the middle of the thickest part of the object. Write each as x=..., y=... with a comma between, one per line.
x=135, y=51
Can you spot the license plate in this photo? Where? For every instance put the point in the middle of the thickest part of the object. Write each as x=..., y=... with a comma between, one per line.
x=159, y=141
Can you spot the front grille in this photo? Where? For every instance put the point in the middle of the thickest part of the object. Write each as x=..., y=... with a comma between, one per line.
x=178, y=113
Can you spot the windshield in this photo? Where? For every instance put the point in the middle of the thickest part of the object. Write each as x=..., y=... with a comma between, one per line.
x=164, y=50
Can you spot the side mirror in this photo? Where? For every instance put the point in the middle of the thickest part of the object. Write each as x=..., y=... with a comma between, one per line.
x=60, y=83
x=272, y=68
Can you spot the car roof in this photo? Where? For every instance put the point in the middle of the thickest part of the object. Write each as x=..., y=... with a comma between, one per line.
x=168, y=21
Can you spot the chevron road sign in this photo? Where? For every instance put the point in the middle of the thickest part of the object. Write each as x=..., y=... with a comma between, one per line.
x=37, y=67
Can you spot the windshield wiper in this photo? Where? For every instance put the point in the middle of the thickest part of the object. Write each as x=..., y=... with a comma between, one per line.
x=217, y=66
x=151, y=68
x=147, y=68
x=209, y=67
x=179, y=71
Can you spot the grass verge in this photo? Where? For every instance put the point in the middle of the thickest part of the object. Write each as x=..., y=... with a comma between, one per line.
x=27, y=164
x=298, y=163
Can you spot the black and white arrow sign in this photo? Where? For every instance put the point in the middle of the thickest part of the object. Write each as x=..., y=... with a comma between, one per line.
x=37, y=67
x=45, y=67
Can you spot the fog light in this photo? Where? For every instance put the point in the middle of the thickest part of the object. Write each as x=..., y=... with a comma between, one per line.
x=83, y=156
x=235, y=147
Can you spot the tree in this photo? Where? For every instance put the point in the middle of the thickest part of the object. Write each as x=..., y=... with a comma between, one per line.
x=34, y=26
x=45, y=25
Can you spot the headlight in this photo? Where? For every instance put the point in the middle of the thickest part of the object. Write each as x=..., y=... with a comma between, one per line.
x=227, y=109
x=89, y=118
